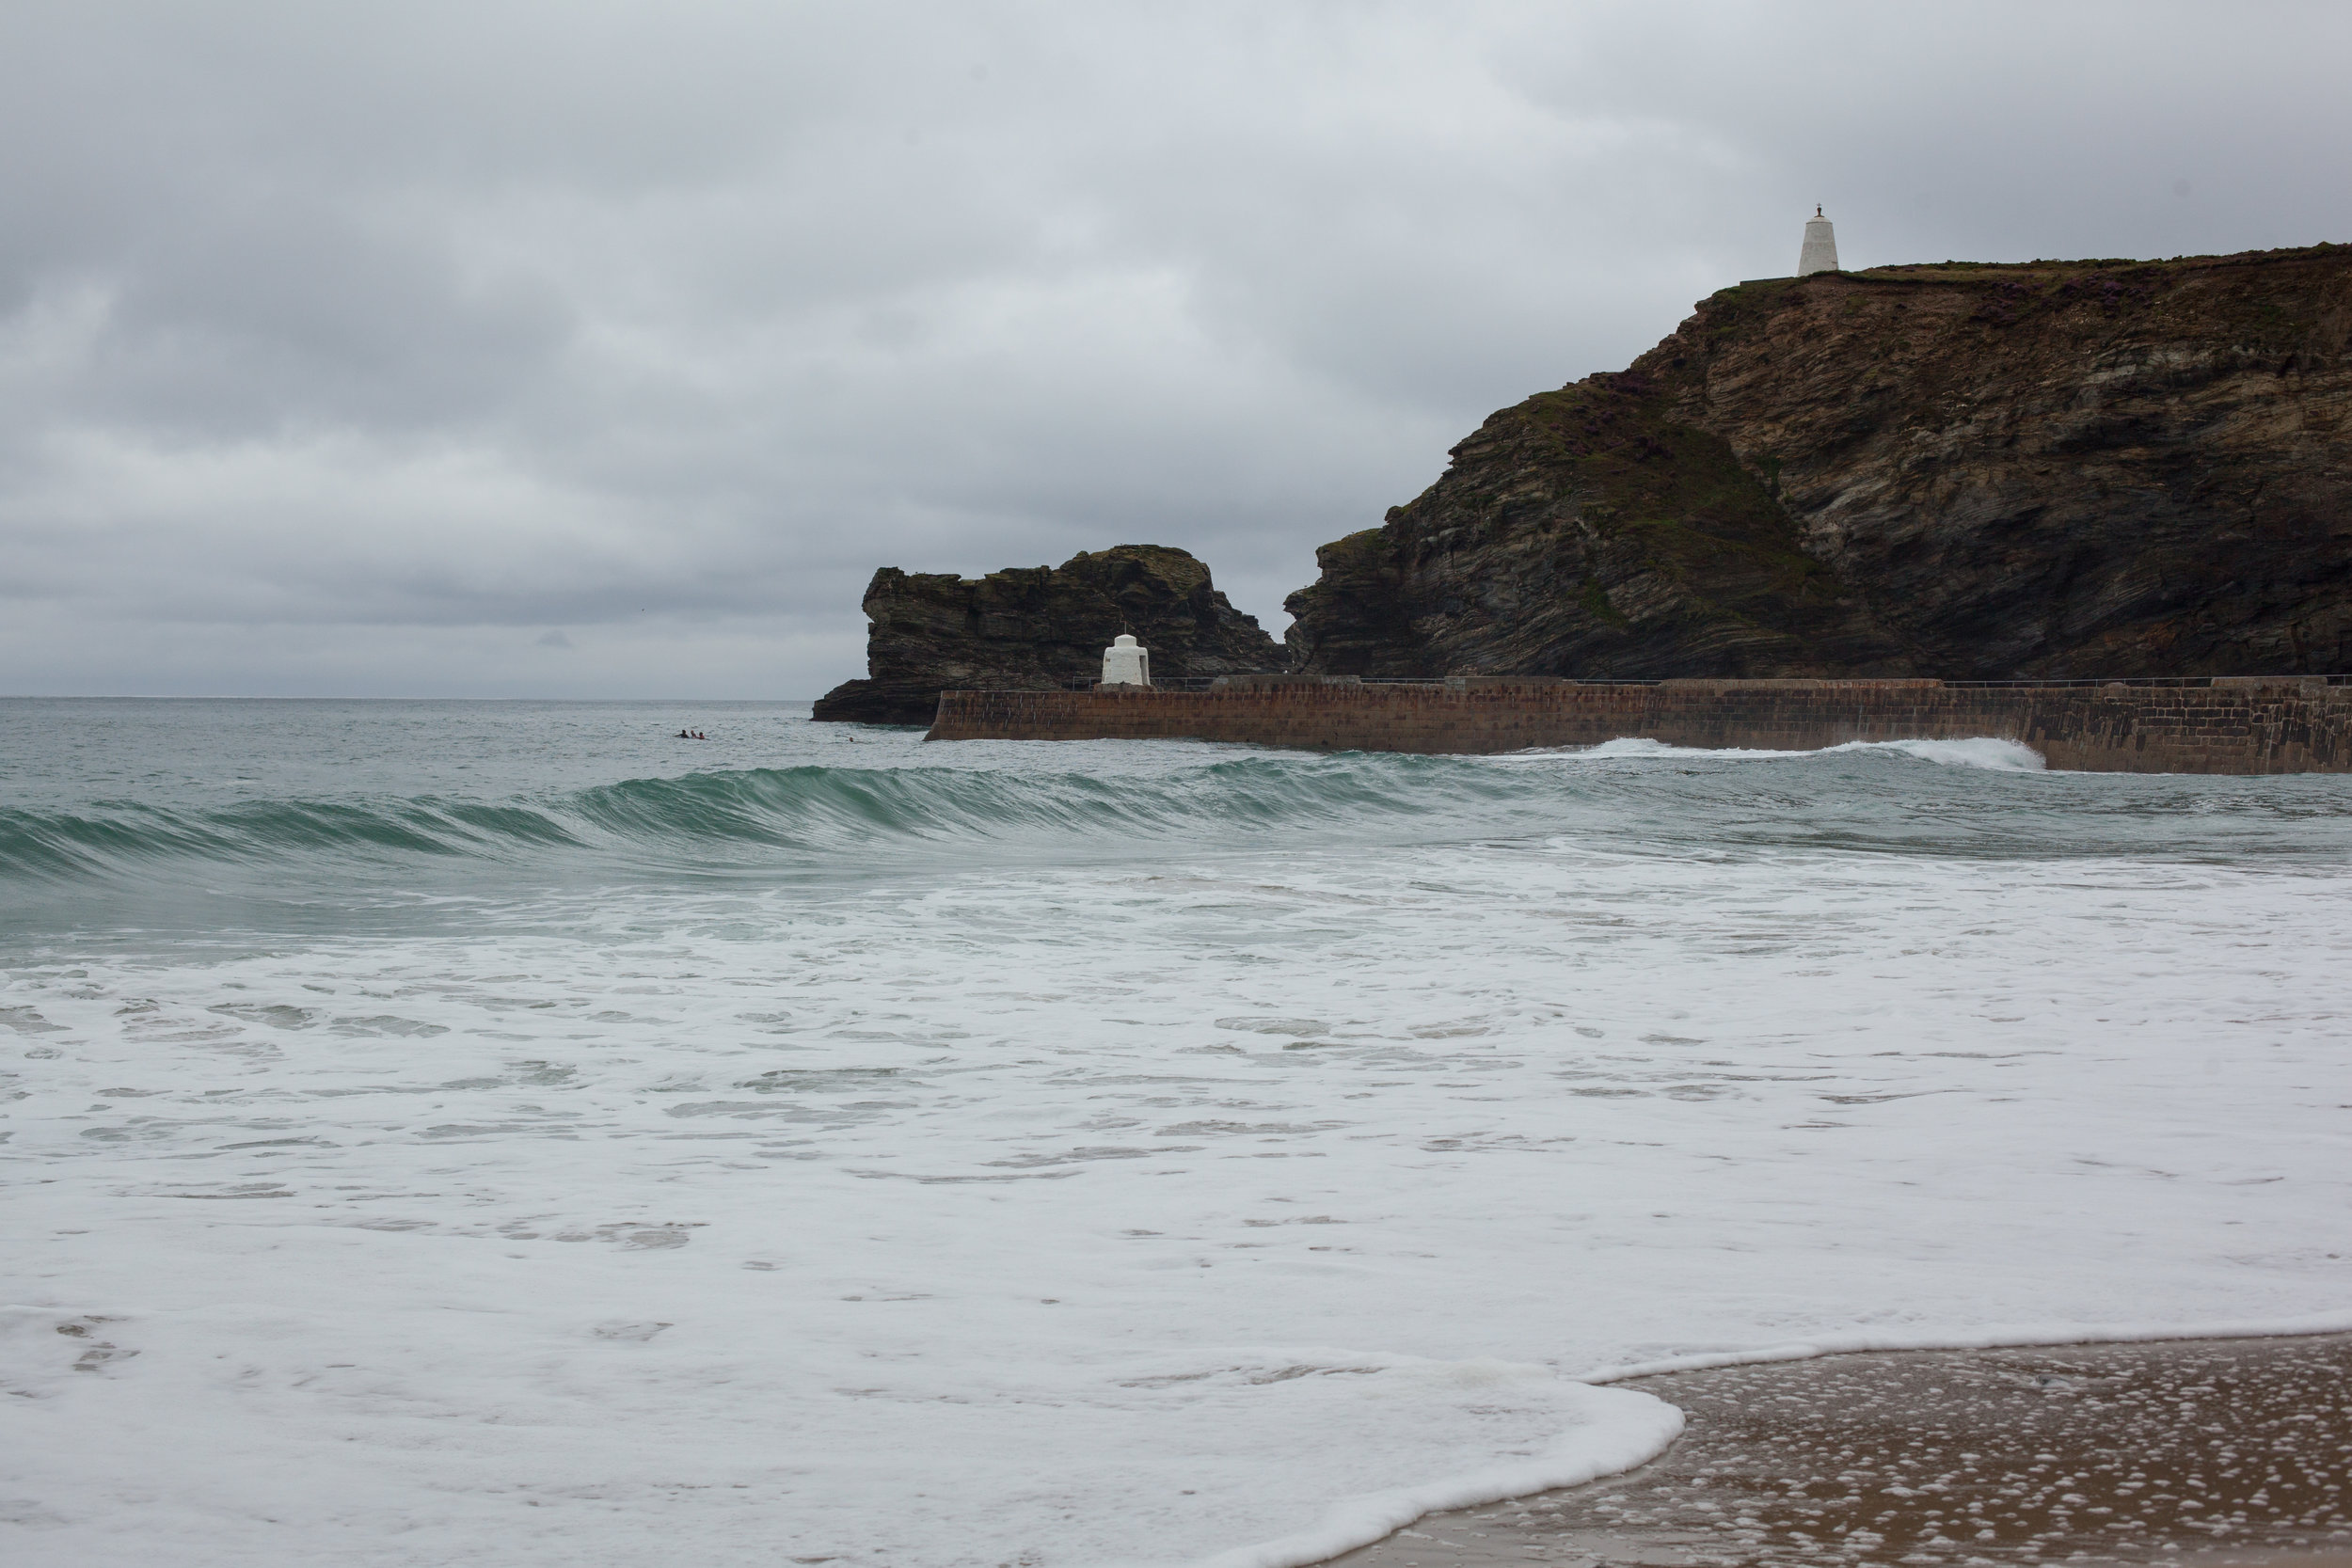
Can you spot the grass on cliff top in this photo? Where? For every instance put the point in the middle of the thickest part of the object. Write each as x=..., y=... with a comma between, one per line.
x=1632, y=465
x=1960, y=270
x=1362, y=551
x=1972, y=272
x=1699, y=515
x=1179, y=567
x=1769, y=291
x=2236, y=300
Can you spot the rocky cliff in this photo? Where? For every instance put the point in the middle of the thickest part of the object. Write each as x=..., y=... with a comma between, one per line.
x=1036, y=628
x=2055, y=469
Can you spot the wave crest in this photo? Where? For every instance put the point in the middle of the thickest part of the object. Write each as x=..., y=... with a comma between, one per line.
x=794, y=813
x=801, y=816
x=2004, y=756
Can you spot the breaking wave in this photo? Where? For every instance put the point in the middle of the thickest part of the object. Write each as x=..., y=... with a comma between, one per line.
x=790, y=812
x=818, y=815
x=2007, y=757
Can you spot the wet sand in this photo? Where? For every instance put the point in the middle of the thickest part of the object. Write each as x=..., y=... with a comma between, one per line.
x=2212, y=1453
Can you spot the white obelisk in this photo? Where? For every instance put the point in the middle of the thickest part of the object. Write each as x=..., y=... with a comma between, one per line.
x=1821, y=245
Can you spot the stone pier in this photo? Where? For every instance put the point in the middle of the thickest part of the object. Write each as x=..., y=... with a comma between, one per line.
x=2237, y=724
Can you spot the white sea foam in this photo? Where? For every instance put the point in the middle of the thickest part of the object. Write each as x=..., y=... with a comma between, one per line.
x=1228, y=1202
x=1616, y=1429
x=2009, y=756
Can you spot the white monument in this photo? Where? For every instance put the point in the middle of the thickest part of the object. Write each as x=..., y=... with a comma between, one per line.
x=1821, y=245
x=1126, y=663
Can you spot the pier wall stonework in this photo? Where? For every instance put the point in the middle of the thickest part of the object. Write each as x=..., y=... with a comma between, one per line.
x=2236, y=725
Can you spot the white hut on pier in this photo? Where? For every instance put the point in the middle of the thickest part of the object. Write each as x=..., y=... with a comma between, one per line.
x=1126, y=662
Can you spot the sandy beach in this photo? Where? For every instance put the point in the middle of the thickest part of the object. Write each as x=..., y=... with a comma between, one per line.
x=2227, y=1451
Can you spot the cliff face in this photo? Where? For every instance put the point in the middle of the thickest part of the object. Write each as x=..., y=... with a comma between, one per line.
x=1030, y=628
x=2045, y=469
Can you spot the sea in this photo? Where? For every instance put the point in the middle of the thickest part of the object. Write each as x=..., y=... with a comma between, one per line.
x=454, y=1132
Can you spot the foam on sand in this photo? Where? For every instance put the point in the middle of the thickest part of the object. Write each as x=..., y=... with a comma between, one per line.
x=1615, y=1430
x=2139, y=1451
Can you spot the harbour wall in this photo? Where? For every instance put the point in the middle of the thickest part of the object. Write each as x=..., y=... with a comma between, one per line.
x=2248, y=724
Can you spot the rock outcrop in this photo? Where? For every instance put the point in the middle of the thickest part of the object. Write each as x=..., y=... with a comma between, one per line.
x=2049, y=470
x=1030, y=628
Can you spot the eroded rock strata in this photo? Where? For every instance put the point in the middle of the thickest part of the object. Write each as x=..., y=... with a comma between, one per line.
x=1030, y=628
x=2049, y=470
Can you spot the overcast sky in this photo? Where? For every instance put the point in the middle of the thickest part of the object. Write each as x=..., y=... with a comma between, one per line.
x=586, y=349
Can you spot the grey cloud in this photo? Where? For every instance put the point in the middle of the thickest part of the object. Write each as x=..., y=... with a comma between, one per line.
x=353, y=348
